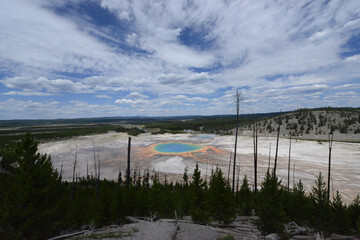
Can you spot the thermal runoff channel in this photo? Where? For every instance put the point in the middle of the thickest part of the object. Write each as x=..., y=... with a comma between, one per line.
x=174, y=147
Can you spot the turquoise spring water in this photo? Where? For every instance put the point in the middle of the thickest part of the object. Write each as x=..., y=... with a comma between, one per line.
x=176, y=147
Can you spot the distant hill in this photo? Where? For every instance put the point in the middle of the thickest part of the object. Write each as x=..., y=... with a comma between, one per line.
x=314, y=124
x=302, y=123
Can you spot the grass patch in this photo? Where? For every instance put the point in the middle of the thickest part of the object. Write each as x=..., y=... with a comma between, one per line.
x=227, y=237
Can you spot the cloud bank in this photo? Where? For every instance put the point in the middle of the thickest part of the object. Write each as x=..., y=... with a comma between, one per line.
x=174, y=57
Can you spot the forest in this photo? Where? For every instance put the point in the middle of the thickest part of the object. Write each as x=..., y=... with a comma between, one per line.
x=36, y=204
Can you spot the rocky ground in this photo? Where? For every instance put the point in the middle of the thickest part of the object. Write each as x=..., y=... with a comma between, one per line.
x=171, y=229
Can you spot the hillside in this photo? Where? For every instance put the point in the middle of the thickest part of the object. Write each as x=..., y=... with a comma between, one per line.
x=315, y=124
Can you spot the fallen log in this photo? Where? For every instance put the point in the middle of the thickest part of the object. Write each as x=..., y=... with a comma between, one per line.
x=69, y=235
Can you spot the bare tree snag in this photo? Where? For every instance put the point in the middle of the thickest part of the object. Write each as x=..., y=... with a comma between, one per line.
x=277, y=147
x=237, y=99
x=288, y=184
x=128, y=165
x=331, y=137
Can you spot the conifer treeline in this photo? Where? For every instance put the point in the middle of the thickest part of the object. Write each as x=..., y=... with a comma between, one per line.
x=36, y=204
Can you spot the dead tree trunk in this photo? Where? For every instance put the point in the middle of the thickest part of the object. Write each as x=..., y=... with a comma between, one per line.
x=73, y=180
x=277, y=148
x=237, y=183
x=331, y=136
x=207, y=163
x=269, y=158
x=98, y=177
x=74, y=166
x=255, y=140
x=61, y=168
x=294, y=175
x=229, y=167
x=237, y=96
x=288, y=184
x=128, y=165
x=95, y=159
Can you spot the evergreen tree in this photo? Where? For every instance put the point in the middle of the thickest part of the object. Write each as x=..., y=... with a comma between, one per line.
x=320, y=204
x=156, y=198
x=185, y=176
x=221, y=198
x=354, y=214
x=246, y=199
x=339, y=218
x=270, y=206
x=199, y=209
x=31, y=208
x=298, y=204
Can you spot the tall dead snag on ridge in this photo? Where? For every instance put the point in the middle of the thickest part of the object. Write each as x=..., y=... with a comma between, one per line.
x=95, y=159
x=237, y=183
x=62, y=163
x=237, y=99
x=229, y=167
x=73, y=180
x=207, y=163
x=128, y=165
x=255, y=141
x=277, y=146
x=98, y=176
x=269, y=157
x=288, y=185
x=331, y=137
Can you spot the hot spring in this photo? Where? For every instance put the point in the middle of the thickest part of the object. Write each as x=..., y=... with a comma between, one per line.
x=174, y=147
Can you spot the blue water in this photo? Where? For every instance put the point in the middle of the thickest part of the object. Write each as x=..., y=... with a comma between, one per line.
x=176, y=147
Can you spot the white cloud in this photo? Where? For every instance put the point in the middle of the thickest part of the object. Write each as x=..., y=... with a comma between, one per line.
x=42, y=83
x=354, y=58
x=131, y=38
x=137, y=95
x=103, y=96
x=348, y=86
x=33, y=35
x=189, y=99
x=183, y=57
x=27, y=93
x=353, y=24
x=131, y=102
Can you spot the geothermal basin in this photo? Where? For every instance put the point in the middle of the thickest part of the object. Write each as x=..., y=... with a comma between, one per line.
x=170, y=154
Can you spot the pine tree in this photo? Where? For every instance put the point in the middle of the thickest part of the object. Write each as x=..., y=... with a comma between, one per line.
x=320, y=203
x=339, y=218
x=199, y=209
x=221, y=198
x=32, y=206
x=354, y=214
x=246, y=199
x=185, y=176
x=298, y=204
x=270, y=205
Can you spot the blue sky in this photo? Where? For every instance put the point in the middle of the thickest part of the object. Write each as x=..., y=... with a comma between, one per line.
x=83, y=58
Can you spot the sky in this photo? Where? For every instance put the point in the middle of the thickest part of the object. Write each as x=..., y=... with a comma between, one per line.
x=103, y=58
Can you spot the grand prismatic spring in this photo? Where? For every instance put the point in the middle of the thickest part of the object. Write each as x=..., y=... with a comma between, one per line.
x=175, y=147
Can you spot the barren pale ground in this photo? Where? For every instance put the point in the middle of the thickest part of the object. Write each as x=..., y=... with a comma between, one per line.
x=309, y=157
